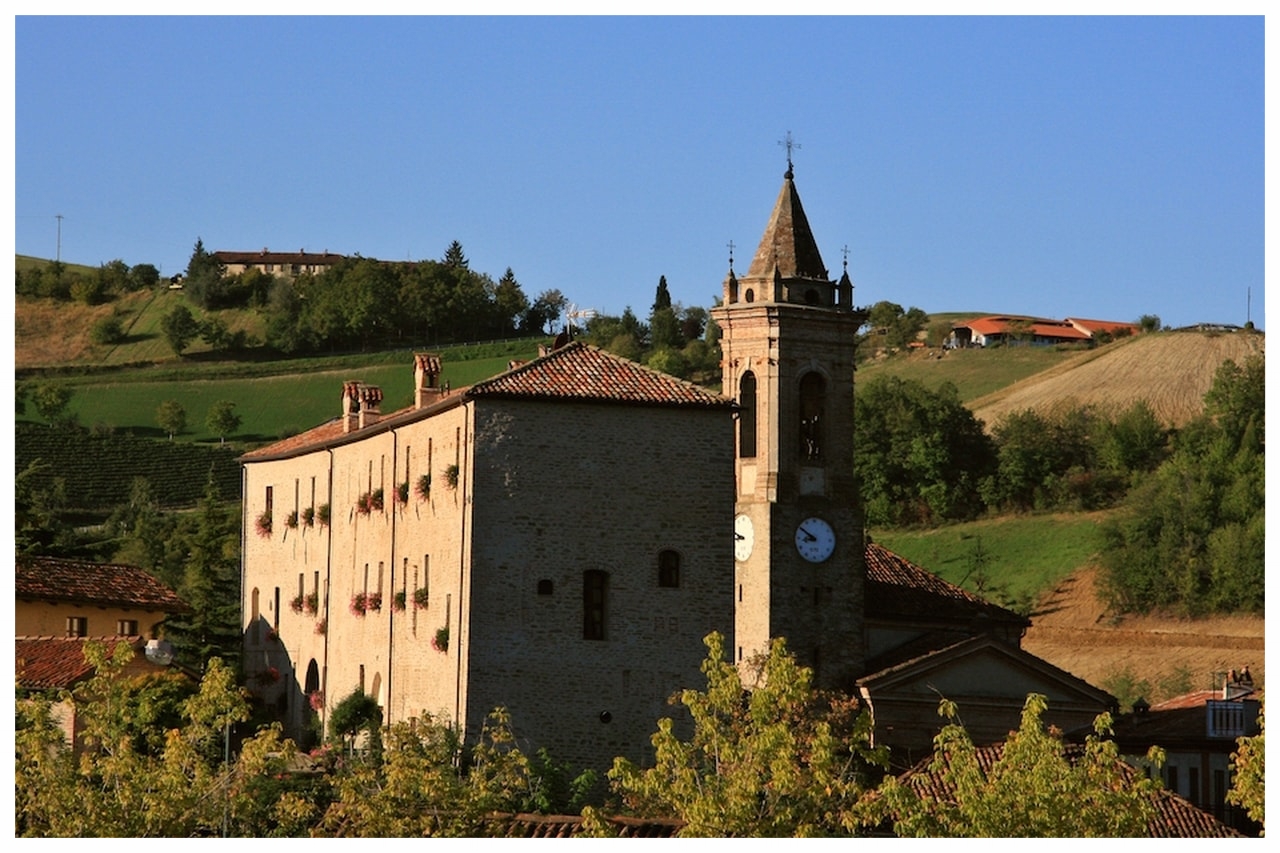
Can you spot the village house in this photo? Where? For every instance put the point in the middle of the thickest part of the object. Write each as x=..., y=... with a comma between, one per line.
x=558, y=540
x=286, y=265
x=61, y=604
x=1198, y=732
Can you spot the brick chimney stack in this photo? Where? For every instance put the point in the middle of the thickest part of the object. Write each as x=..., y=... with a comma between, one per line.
x=350, y=404
x=370, y=405
x=426, y=379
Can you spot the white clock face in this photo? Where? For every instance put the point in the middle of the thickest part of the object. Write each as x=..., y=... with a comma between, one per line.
x=744, y=538
x=815, y=540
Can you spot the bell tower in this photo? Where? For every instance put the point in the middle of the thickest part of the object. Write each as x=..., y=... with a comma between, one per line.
x=788, y=335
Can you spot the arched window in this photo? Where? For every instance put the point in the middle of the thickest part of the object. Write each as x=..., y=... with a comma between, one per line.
x=747, y=415
x=594, y=588
x=668, y=568
x=813, y=393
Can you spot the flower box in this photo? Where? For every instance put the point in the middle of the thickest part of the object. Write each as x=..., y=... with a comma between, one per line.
x=322, y=515
x=402, y=493
x=291, y=520
x=420, y=598
x=309, y=516
x=263, y=524
x=440, y=642
x=398, y=602
x=451, y=476
x=423, y=489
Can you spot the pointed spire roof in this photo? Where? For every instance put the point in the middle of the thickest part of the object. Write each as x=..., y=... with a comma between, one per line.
x=788, y=245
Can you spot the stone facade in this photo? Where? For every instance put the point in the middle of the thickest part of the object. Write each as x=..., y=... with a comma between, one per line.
x=536, y=501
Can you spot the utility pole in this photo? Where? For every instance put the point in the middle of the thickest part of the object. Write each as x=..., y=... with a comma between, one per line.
x=59, y=255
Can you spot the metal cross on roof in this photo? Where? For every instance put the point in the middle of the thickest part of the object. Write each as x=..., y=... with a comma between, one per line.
x=789, y=144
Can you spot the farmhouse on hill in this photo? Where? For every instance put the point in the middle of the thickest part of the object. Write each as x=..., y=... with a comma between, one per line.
x=559, y=539
x=283, y=264
x=1034, y=331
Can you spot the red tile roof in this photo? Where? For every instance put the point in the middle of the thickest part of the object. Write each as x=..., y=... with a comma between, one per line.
x=570, y=826
x=1174, y=818
x=1037, y=326
x=898, y=587
x=574, y=373
x=1109, y=326
x=56, y=579
x=580, y=373
x=51, y=663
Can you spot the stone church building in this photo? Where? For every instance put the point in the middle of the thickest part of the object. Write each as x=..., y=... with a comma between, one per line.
x=558, y=539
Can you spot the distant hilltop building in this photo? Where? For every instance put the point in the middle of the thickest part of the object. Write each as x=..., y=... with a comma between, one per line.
x=282, y=264
x=1035, y=331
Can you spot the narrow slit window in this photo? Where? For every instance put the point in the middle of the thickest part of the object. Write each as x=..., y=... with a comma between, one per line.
x=747, y=416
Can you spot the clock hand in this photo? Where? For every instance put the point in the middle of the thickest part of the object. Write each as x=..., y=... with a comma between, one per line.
x=737, y=535
x=809, y=537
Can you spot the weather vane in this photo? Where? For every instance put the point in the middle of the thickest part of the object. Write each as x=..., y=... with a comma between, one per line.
x=789, y=144
x=845, y=252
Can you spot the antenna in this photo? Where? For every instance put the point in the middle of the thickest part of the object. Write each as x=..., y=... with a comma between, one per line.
x=573, y=312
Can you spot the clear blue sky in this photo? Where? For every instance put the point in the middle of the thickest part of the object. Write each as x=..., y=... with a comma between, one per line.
x=1096, y=167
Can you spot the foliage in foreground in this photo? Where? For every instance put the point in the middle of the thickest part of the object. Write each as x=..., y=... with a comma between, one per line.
x=780, y=760
x=1034, y=790
x=122, y=784
x=1248, y=766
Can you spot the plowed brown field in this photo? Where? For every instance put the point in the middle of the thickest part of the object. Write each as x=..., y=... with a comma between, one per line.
x=1170, y=370
x=1073, y=630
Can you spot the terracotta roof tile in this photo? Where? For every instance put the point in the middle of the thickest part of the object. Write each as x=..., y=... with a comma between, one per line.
x=51, y=663
x=570, y=826
x=56, y=579
x=1175, y=817
x=898, y=587
x=580, y=373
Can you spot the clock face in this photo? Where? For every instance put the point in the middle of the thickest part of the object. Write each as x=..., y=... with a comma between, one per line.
x=815, y=540
x=744, y=538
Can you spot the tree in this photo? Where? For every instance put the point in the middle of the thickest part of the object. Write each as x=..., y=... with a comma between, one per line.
x=51, y=400
x=107, y=331
x=179, y=328
x=1149, y=322
x=1248, y=774
x=778, y=760
x=510, y=303
x=222, y=420
x=454, y=257
x=1037, y=787
x=662, y=296
x=919, y=455
x=426, y=784
x=211, y=585
x=547, y=308
x=143, y=277
x=171, y=417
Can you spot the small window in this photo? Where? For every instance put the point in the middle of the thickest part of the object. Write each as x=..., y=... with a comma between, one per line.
x=545, y=586
x=812, y=419
x=594, y=586
x=127, y=627
x=77, y=626
x=749, y=296
x=668, y=568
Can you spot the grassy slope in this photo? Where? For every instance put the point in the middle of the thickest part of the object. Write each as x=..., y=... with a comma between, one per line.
x=974, y=372
x=1018, y=565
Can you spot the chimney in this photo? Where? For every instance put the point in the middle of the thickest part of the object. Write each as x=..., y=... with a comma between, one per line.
x=350, y=404
x=426, y=379
x=370, y=405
